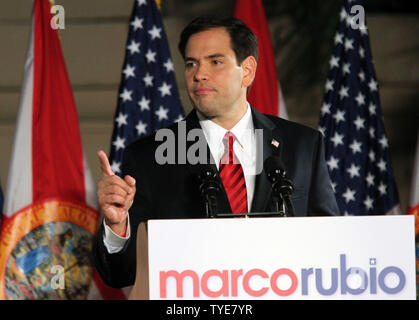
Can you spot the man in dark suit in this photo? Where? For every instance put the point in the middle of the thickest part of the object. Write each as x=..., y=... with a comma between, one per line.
x=220, y=65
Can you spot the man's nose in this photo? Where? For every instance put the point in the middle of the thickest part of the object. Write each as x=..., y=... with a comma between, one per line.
x=201, y=73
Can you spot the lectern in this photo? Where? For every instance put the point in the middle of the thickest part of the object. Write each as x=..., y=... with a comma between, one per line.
x=368, y=257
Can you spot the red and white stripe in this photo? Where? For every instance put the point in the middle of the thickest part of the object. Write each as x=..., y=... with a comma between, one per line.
x=48, y=161
x=265, y=94
x=47, y=158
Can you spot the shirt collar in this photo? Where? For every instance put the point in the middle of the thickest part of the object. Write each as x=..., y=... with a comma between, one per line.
x=214, y=133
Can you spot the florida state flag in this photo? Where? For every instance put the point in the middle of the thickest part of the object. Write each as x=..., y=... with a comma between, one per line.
x=50, y=214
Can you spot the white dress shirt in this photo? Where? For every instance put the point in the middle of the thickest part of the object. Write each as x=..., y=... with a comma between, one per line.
x=244, y=147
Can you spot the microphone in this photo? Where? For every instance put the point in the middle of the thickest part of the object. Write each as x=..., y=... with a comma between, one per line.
x=281, y=186
x=209, y=187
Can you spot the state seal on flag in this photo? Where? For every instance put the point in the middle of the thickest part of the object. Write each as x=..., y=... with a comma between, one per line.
x=45, y=251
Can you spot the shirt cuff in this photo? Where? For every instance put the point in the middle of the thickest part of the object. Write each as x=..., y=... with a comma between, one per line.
x=113, y=242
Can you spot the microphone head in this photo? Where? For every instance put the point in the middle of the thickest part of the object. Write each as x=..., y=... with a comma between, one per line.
x=273, y=163
x=208, y=182
x=206, y=175
x=274, y=168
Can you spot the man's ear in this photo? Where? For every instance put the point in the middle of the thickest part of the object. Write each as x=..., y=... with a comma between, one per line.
x=249, y=66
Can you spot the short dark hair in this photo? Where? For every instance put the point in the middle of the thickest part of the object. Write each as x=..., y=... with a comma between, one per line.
x=243, y=41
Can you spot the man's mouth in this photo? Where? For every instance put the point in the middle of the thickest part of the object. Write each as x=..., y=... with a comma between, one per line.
x=203, y=91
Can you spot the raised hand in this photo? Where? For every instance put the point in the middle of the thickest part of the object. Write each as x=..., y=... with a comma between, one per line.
x=115, y=196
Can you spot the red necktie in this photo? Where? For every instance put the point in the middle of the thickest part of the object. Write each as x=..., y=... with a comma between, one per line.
x=231, y=173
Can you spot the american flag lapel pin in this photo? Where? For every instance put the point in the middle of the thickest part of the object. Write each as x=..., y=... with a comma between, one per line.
x=275, y=143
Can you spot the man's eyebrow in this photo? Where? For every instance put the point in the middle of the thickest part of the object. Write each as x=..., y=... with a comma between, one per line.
x=212, y=56
x=216, y=55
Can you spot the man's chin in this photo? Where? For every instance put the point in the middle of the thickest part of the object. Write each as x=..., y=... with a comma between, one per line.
x=206, y=110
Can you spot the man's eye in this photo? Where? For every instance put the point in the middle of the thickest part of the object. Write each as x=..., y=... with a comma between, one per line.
x=216, y=62
x=190, y=64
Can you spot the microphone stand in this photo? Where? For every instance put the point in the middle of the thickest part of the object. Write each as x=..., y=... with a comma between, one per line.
x=282, y=189
x=209, y=188
x=284, y=192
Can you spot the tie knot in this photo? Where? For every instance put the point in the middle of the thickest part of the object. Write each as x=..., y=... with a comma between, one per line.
x=229, y=138
x=228, y=141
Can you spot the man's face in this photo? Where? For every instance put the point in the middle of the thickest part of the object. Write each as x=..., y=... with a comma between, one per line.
x=214, y=80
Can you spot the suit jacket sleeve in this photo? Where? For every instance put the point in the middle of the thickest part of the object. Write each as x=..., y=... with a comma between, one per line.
x=118, y=269
x=322, y=199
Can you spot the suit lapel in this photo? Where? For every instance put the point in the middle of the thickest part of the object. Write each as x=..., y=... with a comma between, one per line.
x=269, y=143
x=266, y=147
x=192, y=123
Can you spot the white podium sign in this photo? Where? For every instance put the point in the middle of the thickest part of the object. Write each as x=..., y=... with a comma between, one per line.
x=370, y=257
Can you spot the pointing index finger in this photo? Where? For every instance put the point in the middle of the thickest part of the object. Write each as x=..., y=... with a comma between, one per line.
x=104, y=164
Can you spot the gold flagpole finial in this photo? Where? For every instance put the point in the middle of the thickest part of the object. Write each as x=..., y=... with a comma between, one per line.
x=158, y=2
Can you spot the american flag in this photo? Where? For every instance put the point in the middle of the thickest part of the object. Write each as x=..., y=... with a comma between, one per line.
x=148, y=97
x=356, y=145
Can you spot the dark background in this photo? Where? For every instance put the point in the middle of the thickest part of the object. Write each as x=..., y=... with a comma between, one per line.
x=302, y=32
